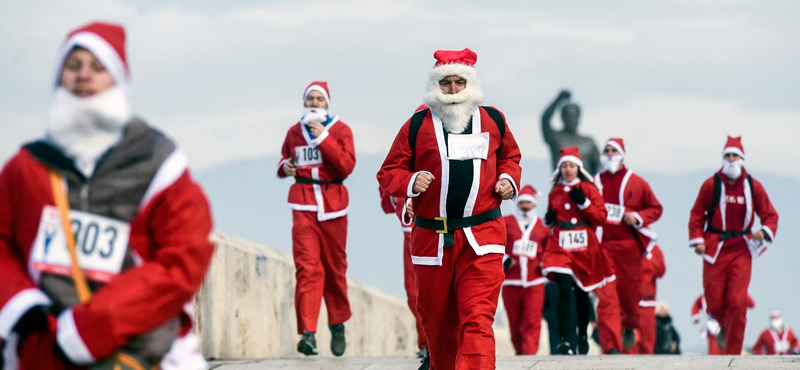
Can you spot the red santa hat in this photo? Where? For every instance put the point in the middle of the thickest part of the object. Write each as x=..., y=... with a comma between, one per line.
x=459, y=63
x=775, y=313
x=734, y=145
x=617, y=144
x=528, y=192
x=320, y=86
x=106, y=41
x=571, y=154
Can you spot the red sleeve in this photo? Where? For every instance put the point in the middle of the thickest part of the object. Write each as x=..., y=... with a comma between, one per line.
x=659, y=266
x=750, y=302
x=794, y=345
x=758, y=348
x=697, y=217
x=697, y=308
x=178, y=222
x=396, y=173
x=595, y=213
x=651, y=208
x=338, y=150
x=286, y=154
x=765, y=210
x=17, y=291
x=387, y=204
x=508, y=157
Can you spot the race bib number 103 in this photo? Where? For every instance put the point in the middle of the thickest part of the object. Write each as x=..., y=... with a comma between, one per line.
x=307, y=156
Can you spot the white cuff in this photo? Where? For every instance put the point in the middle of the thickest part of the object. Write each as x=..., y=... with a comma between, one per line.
x=696, y=241
x=769, y=233
x=70, y=341
x=17, y=306
x=514, y=184
x=585, y=204
x=410, y=191
x=638, y=218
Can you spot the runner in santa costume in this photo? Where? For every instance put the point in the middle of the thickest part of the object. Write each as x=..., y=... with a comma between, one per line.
x=457, y=161
x=398, y=206
x=710, y=328
x=318, y=152
x=653, y=268
x=523, y=289
x=573, y=255
x=626, y=235
x=721, y=230
x=777, y=339
x=103, y=232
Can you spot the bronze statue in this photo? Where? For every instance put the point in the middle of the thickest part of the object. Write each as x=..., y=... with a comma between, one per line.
x=570, y=115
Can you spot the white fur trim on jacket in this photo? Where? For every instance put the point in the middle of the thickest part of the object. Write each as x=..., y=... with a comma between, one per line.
x=17, y=306
x=70, y=341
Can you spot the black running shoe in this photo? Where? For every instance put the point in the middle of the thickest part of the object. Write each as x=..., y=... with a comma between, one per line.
x=721, y=339
x=613, y=351
x=628, y=338
x=338, y=343
x=308, y=344
x=583, y=345
x=565, y=349
x=426, y=361
x=422, y=353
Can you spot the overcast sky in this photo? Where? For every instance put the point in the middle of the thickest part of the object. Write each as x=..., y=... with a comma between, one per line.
x=226, y=78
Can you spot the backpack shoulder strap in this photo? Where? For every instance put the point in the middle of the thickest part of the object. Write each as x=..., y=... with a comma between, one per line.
x=717, y=194
x=497, y=117
x=413, y=129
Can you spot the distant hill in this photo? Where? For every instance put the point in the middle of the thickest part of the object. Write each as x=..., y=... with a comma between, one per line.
x=249, y=201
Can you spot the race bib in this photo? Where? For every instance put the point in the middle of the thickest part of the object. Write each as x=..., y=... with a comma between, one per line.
x=464, y=147
x=101, y=243
x=525, y=248
x=573, y=239
x=757, y=247
x=782, y=346
x=615, y=213
x=307, y=156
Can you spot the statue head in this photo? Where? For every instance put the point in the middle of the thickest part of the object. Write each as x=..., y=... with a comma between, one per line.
x=570, y=115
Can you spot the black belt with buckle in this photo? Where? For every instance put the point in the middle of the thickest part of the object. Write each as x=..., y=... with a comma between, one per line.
x=442, y=225
x=725, y=235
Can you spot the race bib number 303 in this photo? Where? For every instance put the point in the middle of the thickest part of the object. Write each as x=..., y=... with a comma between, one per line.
x=525, y=248
x=615, y=213
x=100, y=242
x=307, y=156
x=573, y=239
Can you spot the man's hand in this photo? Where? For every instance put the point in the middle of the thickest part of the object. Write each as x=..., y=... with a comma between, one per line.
x=409, y=210
x=758, y=235
x=316, y=128
x=422, y=182
x=700, y=248
x=630, y=219
x=289, y=168
x=504, y=188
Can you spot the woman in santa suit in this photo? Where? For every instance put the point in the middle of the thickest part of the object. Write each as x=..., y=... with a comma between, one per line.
x=574, y=256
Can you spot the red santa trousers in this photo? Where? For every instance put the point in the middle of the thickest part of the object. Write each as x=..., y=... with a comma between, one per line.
x=524, y=308
x=608, y=316
x=626, y=255
x=646, y=334
x=457, y=303
x=713, y=349
x=321, y=263
x=725, y=286
x=410, y=283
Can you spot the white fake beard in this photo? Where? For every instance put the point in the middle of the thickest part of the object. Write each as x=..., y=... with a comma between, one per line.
x=732, y=170
x=455, y=110
x=85, y=128
x=776, y=324
x=314, y=114
x=611, y=164
x=525, y=217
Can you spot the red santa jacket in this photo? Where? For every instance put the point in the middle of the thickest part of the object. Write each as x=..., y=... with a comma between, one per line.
x=326, y=160
x=402, y=165
x=738, y=204
x=398, y=207
x=770, y=343
x=626, y=192
x=653, y=267
x=525, y=246
x=167, y=253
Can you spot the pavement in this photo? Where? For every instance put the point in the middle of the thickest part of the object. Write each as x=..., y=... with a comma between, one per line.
x=525, y=363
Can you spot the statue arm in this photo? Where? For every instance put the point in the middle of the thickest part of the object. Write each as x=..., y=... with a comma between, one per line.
x=547, y=129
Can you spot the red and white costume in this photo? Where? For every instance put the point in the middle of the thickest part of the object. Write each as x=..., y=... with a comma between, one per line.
x=319, y=202
x=573, y=247
x=626, y=193
x=772, y=343
x=150, y=213
x=459, y=283
x=728, y=263
x=653, y=268
x=398, y=207
x=711, y=326
x=523, y=288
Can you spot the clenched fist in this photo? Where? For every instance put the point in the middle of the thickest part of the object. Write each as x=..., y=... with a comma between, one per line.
x=504, y=188
x=422, y=182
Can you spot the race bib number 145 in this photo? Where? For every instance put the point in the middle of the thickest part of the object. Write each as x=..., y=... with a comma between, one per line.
x=573, y=239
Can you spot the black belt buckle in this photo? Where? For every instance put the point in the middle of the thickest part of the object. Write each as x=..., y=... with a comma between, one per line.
x=444, y=229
